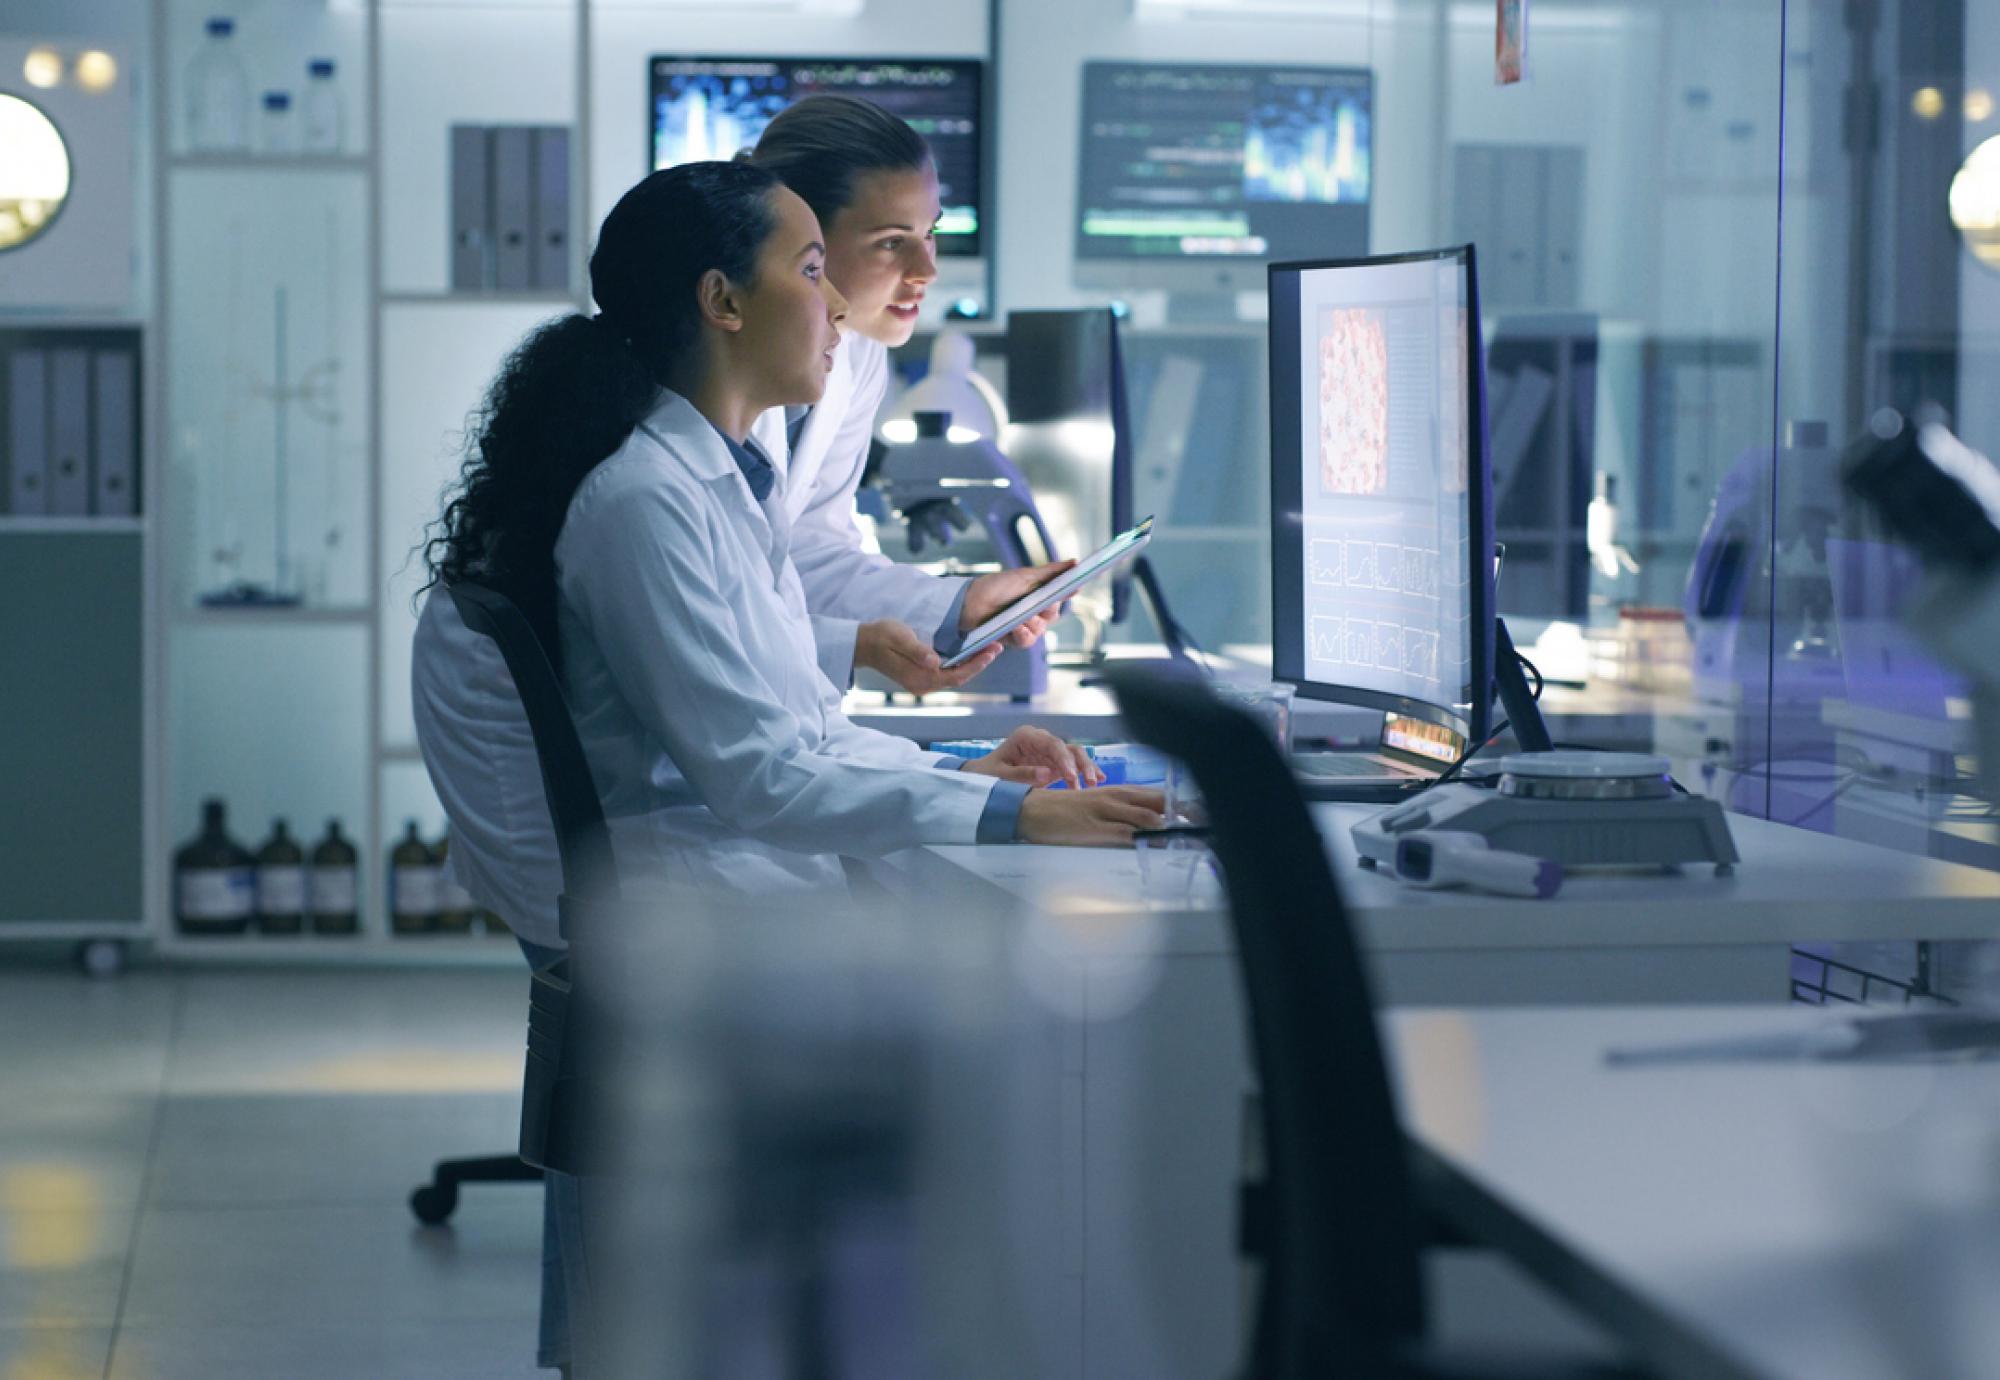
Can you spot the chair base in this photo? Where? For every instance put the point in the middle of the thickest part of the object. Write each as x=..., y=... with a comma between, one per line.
x=434, y=1202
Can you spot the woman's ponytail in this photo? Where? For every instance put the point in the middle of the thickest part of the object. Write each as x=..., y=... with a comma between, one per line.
x=571, y=393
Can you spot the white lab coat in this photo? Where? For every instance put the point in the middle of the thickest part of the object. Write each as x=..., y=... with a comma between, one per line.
x=714, y=739
x=845, y=584
x=688, y=656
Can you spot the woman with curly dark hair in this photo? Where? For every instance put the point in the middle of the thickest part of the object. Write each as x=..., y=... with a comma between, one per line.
x=613, y=490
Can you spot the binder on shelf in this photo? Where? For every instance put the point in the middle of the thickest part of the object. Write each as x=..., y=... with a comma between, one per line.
x=27, y=432
x=115, y=432
x=471, y=210
x=511, y=161
x=69, y=433
x=549, y=223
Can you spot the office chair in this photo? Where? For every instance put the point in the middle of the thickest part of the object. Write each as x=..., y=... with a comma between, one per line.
x=1337, y=1221
x=552, y=1127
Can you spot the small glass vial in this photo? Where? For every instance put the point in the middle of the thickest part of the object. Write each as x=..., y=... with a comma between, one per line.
x=274, y=126
x=218, y=93
x=319, y=112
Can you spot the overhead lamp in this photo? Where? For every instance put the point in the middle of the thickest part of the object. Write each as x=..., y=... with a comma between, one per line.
x=1927, y=102
x=42, y=68
x=1978, y=104
x=96, y=70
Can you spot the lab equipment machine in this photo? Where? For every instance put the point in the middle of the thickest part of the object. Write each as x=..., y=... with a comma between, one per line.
x=1941, y=497
x=1573, y=809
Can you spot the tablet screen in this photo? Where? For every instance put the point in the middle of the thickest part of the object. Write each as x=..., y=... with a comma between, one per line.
x=1120, y=547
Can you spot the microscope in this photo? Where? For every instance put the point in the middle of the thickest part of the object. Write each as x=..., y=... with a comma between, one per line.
x=941, y=488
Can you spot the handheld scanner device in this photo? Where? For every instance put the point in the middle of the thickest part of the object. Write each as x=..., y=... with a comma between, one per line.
x=1451, y=857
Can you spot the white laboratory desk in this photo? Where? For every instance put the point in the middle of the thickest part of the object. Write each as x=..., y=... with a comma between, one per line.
x=1691, y=937
x=1781, y=1219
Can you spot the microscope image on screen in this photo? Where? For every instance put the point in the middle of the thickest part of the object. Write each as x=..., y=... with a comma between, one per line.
x=1353, y=401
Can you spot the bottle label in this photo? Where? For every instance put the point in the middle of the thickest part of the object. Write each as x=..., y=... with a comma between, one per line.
x=281, y=890
x=333, y=890
x=452, y=896
x=217, y=893
x=413, y=891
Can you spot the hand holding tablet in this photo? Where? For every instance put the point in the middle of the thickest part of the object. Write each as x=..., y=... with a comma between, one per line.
x=1120, y=548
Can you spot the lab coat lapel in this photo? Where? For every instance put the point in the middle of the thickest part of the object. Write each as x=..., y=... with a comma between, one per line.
x=802, y=465
x=677, y=425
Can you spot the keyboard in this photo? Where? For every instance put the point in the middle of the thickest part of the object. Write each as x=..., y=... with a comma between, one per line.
x=1346, y=766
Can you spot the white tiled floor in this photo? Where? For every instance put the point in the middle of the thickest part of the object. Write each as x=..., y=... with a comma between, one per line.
x=204, y=1175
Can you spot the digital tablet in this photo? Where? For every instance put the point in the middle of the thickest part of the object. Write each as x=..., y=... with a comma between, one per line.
x=1121, y=547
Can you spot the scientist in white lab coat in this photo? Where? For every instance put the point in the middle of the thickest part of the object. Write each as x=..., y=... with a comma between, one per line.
x=613, y=489
x=872, y=182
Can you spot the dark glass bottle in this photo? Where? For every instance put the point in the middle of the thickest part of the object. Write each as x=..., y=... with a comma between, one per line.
x=333, y=884
x=413, y=885
x=455, y=905
x=214, y=880
x=281, y=883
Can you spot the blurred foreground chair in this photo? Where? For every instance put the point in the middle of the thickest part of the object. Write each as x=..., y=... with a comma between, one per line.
x=552, y=1127
x=1336, y=1224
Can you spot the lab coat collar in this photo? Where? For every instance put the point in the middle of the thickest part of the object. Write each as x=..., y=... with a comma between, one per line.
x=680, y=426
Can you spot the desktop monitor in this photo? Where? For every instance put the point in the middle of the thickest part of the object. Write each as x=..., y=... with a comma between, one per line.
x=1195, y=175
x=1381, y=489
x=1070, y=432
x=713, y=107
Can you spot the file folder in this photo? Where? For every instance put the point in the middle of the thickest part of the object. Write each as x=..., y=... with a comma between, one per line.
x=28, y=433
x=114, y=438
x=512, y=165
x=69, y=433
x=471, y=211
x=550, y=219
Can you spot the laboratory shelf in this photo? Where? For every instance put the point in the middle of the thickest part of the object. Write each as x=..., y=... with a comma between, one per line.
x=73, y=526
x=258, y=614
x=419, y=298
x=268, y=162
x=436, y=951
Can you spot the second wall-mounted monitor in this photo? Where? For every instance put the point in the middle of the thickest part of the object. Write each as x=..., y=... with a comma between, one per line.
x=1192, y=176
x=713, y=107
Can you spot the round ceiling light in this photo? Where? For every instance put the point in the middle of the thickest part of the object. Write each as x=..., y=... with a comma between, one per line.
x=34, y=172
x=1975, y=202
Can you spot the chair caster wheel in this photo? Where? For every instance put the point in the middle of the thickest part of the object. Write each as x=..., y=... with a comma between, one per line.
x=433, y=1203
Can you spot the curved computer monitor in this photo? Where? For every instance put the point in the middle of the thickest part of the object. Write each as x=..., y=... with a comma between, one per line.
x=1381, y=487
x=1191, y=176
x=699, y=108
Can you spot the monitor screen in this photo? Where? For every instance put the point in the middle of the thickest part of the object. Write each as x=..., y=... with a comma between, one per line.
x=712, y=107
x=1181, y=161
x=1382, y=519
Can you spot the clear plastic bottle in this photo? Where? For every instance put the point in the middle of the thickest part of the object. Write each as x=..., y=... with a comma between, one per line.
x=274, y=126
x=218, y=94
x=319, y=111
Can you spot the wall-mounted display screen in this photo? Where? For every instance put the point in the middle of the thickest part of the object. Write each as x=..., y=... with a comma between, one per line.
x=712, y=107
x=1183, y=161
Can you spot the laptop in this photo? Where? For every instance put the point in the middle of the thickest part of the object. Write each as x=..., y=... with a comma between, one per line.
x=1408, y=755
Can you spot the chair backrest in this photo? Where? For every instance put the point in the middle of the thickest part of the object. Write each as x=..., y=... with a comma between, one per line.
x=1343, y=1288
x=583, y=842
x=557, y=1102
